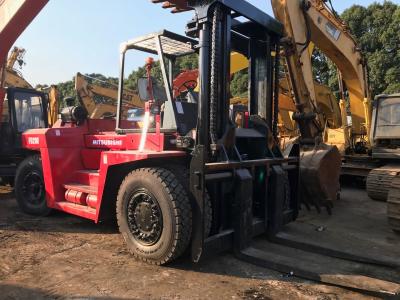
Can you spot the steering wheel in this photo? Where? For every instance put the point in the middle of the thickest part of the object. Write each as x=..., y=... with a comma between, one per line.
x=187, y=85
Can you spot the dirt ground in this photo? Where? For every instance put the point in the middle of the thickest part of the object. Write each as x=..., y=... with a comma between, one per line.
x=65, y=257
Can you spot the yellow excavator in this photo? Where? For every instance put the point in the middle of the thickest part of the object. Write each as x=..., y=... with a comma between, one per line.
x=313, y=23
x=99, y=98
x=315, y=111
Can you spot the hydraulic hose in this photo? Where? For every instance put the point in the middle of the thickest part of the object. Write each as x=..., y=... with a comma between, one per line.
x=304, y=7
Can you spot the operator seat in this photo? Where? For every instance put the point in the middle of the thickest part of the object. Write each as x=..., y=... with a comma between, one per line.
x=186, y=116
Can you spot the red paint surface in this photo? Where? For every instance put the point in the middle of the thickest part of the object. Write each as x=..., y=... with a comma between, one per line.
x=77, y=159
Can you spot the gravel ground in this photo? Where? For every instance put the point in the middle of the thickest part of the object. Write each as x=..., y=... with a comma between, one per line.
x=65, y=257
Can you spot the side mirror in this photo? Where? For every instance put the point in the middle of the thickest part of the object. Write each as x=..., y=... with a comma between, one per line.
x=144, y=94
x=158, y=92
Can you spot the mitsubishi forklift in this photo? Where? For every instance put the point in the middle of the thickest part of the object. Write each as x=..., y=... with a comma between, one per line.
x=186, y=176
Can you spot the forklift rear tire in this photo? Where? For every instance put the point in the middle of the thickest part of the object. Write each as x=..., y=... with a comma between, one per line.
x=29, y=187
x=154, y=215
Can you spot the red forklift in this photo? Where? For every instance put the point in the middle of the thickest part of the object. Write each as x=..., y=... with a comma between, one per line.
x=186, y=175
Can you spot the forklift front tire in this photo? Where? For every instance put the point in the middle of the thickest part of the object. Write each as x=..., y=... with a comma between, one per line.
x=154, y=215
x=29, y=187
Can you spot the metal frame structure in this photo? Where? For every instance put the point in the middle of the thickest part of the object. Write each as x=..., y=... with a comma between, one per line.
x=164, y=44
x=219, y=33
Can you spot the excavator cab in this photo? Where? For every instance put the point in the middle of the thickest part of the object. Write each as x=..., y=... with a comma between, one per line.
x=23, y=109
x=385, y=129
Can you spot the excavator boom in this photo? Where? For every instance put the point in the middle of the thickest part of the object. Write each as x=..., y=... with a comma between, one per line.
x=313, y=22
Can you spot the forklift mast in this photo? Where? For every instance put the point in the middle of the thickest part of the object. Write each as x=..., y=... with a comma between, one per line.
x=219, y=34
x=223, y=156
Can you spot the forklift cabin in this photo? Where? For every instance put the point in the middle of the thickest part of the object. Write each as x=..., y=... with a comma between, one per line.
x=23, y=109
x=252, y=187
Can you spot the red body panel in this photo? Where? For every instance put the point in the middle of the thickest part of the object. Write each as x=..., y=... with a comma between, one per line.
x=76, y=161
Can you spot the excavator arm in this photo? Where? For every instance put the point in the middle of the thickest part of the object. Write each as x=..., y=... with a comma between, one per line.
x=312, y=21
x=12, y=77
x=87, y=93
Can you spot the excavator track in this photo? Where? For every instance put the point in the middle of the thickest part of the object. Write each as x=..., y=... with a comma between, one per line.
x=379, y=181
x=393, y=208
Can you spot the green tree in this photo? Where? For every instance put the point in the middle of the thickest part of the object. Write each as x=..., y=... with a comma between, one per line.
x=240, y=84
x=376, y=30
x=188, y=62
x=66, y=89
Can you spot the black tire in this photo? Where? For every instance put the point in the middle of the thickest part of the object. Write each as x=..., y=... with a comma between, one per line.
x=158, y=192
x=183, y=175
x=29, y=187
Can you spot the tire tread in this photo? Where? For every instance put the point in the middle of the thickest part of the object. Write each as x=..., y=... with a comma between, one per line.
x=181, y=207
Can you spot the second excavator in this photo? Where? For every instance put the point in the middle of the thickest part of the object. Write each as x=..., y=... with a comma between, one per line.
x=99, y=98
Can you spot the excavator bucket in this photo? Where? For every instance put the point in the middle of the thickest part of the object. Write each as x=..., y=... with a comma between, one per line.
x=320, y=187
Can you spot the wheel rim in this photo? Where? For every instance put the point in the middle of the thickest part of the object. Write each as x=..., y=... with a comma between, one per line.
x=33, y=188
x=144, y=217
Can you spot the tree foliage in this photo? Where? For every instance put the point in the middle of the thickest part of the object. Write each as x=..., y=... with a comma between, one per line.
x=376, y=30
x=239, y=84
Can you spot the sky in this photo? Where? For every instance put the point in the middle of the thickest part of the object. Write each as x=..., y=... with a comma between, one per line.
x=84, y=36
